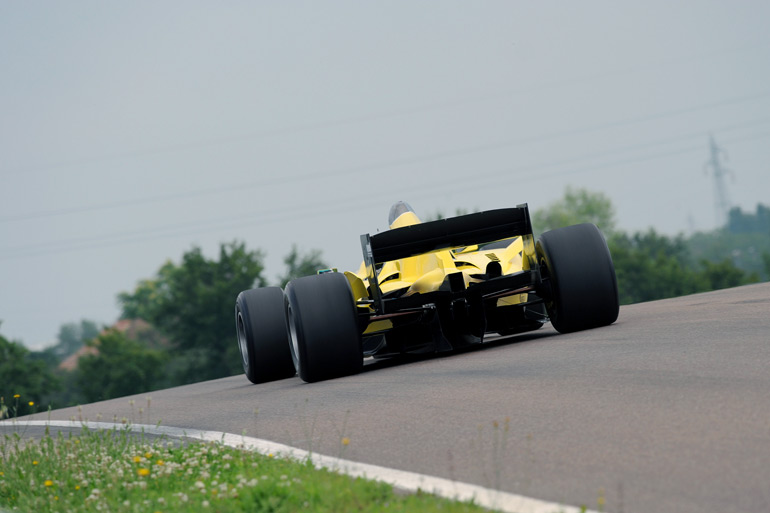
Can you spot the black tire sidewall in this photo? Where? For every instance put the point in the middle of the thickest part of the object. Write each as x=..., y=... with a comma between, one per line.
x=324, y=319
x=269, y=357
x=584, y=291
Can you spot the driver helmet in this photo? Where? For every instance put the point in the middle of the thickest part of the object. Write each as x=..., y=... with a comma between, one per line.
x=399, y=208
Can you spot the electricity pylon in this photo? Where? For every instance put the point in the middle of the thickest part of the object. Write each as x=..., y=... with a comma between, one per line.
x=721, y=199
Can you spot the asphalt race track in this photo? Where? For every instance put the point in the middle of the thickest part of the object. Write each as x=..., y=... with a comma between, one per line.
x=667, y=410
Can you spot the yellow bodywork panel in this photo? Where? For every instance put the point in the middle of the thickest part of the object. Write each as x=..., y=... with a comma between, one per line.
x=405, y=219
x=357, y=284
x=516, y=299
x=425, y=273
x=382, y=325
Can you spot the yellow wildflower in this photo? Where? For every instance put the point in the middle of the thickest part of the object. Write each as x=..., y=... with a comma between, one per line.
x=160, y=463
x=137, y=459
x=143, y=472
x=148, y=455
x=34, y=462
x=345, y=441
x=48, y=483
x=77, y=487
x=32, y=403
x=16, y=396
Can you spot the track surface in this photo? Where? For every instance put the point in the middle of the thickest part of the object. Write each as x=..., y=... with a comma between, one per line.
x=667, y=410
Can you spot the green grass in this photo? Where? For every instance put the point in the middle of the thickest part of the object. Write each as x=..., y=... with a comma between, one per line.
x=117, y=471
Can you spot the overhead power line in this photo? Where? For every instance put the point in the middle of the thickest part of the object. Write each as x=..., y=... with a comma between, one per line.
x=375, y=116
x=387, y=164
x=290, y=213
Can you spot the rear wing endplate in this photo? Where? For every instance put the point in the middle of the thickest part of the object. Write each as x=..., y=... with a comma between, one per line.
x=454, y=232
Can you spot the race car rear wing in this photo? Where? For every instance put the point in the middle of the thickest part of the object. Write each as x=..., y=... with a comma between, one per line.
x=454, y=232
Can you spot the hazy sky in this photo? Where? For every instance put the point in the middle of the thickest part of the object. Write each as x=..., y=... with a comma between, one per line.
x=131, y=131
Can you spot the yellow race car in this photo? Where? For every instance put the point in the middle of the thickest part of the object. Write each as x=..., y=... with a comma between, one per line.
x=428, y=287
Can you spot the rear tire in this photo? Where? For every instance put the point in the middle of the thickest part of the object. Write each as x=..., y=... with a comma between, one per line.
x=323, y=327
x=583, y=287
x=260, y=321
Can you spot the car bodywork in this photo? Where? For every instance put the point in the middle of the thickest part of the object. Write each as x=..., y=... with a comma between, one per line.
x=443, y=284
x=428, y=287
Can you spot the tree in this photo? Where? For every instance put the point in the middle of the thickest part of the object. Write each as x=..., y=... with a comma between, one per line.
x=738, y=222
x=24, y=380
x=577, y=206
x=120, y=367
x=301, y=265
x=743, y=241
x=192, y=304
x=766, y=262
x=651, y=266
x=72, y=336
x=724, y=274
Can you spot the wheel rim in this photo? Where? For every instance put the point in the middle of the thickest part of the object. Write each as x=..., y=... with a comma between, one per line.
x=242, y=342
x=294, y=346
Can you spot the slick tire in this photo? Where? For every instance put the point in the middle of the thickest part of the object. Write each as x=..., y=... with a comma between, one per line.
x=583, y=294
x=260, y=321
x=323, y=327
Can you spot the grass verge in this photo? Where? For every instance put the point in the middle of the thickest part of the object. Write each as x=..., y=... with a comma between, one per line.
x=117, y=470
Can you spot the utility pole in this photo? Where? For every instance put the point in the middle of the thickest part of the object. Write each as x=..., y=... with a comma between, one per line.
x=721, y=200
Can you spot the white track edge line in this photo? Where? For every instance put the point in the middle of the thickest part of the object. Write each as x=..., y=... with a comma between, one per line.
x=410, y=481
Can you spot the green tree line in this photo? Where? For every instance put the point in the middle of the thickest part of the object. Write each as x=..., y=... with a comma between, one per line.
x=177, y=327
x=651, y=266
